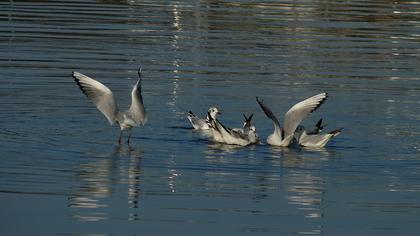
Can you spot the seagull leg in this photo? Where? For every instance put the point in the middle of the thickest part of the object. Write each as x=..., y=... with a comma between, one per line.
x=119, y=139
x=129, y=136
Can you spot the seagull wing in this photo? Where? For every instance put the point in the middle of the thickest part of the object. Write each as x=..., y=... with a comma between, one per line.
x=269, y=114
x=98, y=94
x=300, y=111
x=195, y=121
x=238, y=134
x=314, y=140
x=137, y=110
x=217, y=125
x=319, y=140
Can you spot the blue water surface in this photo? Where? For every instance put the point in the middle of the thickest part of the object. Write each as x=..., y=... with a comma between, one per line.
x=62, y=172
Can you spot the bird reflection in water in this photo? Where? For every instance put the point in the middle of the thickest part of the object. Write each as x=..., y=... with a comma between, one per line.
x=303, y=181
x=103, y=177
x=222, y=149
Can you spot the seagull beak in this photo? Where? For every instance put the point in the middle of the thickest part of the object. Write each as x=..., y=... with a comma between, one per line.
x=219, y=113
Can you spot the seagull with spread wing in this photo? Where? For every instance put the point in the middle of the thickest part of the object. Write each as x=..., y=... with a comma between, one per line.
x=242, y=137
x=199, y=123
x=283, y=136
x=104, y=100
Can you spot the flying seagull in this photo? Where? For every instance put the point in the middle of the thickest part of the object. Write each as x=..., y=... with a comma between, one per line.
x=104, y=100
x=283, y=136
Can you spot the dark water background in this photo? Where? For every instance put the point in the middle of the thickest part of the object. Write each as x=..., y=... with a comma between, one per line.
x=61, y=172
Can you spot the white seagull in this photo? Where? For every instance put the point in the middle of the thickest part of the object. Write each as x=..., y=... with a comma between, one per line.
x=243, y=137
x=284, y=136
x=202, y=124
x=313, y=138
x=246, y=126
x=104, y=100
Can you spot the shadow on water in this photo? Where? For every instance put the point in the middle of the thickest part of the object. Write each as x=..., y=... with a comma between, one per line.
x=97, y=181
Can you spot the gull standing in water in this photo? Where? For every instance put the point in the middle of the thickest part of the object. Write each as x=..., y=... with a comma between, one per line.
x=313, y=138
x=202, y=124
x=243, y=137
x=104, y=100
x=284, y=136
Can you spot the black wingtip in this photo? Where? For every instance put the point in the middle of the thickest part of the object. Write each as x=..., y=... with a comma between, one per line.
x=74, y=76
x=259, y=101
x=319, y=124
x=248, y=118
x=78, y=83
x=209, y=116
x=335, y=132
x=320, y=102
x=327, y=95
x=139, y=72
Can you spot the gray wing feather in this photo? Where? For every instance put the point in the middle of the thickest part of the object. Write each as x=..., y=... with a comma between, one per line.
x=315, y=139
x=223, y=129
x=301, y=110
x=269, y=113
x=238, y=134
x=98, y=94
x=137, y=110
x=195, y=121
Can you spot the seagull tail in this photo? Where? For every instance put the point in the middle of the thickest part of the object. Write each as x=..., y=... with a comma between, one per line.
x=336, y=132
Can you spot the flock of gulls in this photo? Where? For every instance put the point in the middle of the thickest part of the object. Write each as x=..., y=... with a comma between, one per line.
x=283, y=136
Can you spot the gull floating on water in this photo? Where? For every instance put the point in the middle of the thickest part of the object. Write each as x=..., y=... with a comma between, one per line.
x=104, y=100
x=313, y=138
x=284, y=136
x=246, y=126
x=243, y=137
x=202, y=124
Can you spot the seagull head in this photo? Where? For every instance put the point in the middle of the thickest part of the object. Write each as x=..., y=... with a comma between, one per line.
x=253, y=129
x=213, y=111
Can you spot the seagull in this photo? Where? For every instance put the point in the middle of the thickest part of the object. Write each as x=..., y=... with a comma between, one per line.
x=242, y=137
x=202, y=124
x=284, y=136
x=104, y=100
x=246, y=126
x=313, y=138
